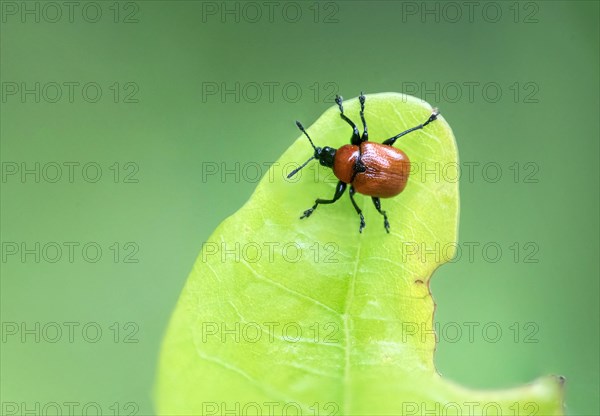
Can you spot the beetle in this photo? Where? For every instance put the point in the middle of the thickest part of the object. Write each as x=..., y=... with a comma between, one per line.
x=372, y=169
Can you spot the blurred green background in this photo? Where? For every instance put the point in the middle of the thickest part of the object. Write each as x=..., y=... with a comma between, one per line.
x=195, y=95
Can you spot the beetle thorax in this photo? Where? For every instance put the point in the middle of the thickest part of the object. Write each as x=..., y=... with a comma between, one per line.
x=345, y=160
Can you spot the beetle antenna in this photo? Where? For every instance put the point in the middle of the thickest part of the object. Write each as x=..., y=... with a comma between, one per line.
x=297, y=169
x=301, y=127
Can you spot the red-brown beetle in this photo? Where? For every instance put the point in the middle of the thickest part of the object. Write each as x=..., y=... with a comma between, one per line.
x=373, y=169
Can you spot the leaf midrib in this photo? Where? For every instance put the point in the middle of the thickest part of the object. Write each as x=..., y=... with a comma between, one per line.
x=346, y=317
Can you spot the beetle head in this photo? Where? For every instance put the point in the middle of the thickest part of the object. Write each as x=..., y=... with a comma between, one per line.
x=325, y=156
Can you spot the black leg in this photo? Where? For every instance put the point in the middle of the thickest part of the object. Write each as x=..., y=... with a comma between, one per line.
x=355, y=135
x=360, y=214
x=365, y=135
x=339, y=191
x=431, y=118
x=377, y=203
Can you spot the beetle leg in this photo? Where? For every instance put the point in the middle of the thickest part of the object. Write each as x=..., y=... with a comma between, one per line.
x=339, y=191
x=365, y=135
x=355, y=139
x=431, y=118
x=358, y=210
x=377, y=204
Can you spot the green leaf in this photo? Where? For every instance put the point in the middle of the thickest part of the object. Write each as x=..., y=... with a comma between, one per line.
x=280, y=314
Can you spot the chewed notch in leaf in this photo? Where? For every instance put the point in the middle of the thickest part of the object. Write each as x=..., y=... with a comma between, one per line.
x=287, y=316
